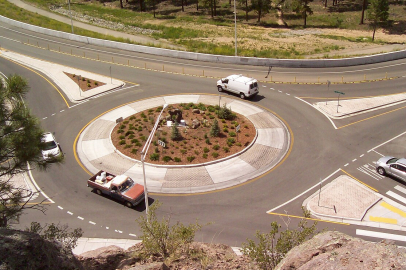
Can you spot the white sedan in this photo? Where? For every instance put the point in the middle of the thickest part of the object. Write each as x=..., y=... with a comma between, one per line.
x=51, y=147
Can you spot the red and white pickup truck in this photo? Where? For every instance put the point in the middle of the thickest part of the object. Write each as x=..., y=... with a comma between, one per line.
x=120, y=187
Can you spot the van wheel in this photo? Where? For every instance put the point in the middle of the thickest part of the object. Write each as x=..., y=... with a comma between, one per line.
x=98, y=191
x=220, y=88
x=381, y=171
x=242, y=96
x=128, y=204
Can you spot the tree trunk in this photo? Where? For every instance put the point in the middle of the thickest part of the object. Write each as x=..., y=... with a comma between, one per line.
x=141, y=5
x=215, y=10
x=373, y=35
x=211, y=7
x=325, y=3
x=259, y=15
x=183, y=9
x=363, y=10
x=305, y=18
x=197, y=5
x=121, y=4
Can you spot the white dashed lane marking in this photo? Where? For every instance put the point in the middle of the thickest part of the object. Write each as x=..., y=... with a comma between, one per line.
x=79, y=217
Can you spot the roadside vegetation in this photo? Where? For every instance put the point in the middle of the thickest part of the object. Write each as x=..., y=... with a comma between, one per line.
x=274, y=29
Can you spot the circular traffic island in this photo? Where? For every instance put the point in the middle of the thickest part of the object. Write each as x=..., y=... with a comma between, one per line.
x=187, y=133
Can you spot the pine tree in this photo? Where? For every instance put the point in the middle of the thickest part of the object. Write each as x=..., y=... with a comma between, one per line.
x=215, y=129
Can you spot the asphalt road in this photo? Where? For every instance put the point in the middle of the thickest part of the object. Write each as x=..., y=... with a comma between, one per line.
x=318, y=149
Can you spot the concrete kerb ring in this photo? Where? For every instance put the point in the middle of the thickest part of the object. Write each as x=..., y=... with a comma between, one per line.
x=279, y=141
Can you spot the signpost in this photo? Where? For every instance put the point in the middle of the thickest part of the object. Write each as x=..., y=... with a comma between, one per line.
x=161, y=143
x=328, y=87
x=338, y=99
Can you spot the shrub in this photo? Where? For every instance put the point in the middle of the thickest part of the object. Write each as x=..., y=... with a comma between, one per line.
x=132, y=117
x=131, y=136
x=226, y=149
x=156, y=150
x=143, y=115
x=121, y=142
x=183, y=151
x=176, y=159
x=120, y=131
x=238, y=144
x=216, y=147
x=88, y=81
x=206, y=150
x=83, y=79
x=134, y=151
x=231, y=140
x=166, y=158
x=225, y=130
x=175, y=135
x=211, y=109
x=139, y=128
x=154, y=156
x=190, y=159
x=122, y=126
x=164, y=133
x=129, y=133
x=247, y=135
x=226, y=113
x=208, y=141
x=245, y=126
x=204, y=155
x=121, y=137
x=125, y=122
x=143, y=138
x=232, y=134
x=127, y=146
x=215, y=154
x=197, y=152
x=215, y=129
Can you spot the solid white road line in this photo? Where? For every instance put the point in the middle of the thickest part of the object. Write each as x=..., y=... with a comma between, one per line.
x=331, y=121
x=304, y=192
x=390, y=236
x=372, y=149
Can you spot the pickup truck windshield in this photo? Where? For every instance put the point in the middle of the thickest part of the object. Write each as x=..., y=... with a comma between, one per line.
x=126, y=185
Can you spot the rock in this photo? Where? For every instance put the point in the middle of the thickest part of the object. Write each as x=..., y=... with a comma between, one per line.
x=104, y=258
x=196, y=111
x=22, y=250
x=150, y=266
x=335, y=250
x=177, y=113
x=195, y=124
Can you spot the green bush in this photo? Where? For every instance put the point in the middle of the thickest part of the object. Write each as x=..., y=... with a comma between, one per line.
x=131, y=136
x=226, y=149
x=127, y=146
x=143, y=115
x=225, y=130
x=175, y=135
x=154, y=156
x=129, y=133
x=121, y=142
x=134, y=151
x=204, y=155
x=226, y=113
x=215, y=154
x=176, y=159
x=120, y=131
x=216, y=147
x=122, y=126
x=183, y=151
x=121, y=137
x=197, y=152
x=190, y=159
x=166, y=158
x=208, y=141
x=206, y=150
x=215, y=129
x=231, y=140
x=143, y=138
x=232, y=134
x=132, y=117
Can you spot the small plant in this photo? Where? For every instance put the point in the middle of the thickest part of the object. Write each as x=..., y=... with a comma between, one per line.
x=183, y=151
x=127, y=146
x=126, y=122
x=215, y=129
x=139, y=128
x=238, y=144
x=74, y=75
x=204, y=155
x=122, y=126
x=206, y=150
x=247, y=135
x=197, y=152
x=83, y=79
x=156, y=150
x=223, y=121
x=216, y=147
x=176, y=159
x=120, y=131
x=143, y=115
x=225, y=126
x=225, y=130
x=131, y=136
x=134, y=151
x=88, y=85
x=129, y=133
x=208, y=141
x=121, y=137
x=226, y=149
x=121, y=142
x=154, y=156
x=143, y=138
x=232, y=134
x=175, y=136
x=190, y=159
x=132, y=117
x=164, y=133
x=215, y=154
x=246, y=126
x=88, y=81
x=166, y=158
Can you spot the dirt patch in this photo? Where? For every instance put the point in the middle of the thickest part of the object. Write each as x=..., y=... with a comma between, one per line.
x=194, y=146
x=84, y=83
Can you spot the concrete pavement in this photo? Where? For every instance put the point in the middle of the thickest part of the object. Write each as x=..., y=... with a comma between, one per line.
x=342, y=200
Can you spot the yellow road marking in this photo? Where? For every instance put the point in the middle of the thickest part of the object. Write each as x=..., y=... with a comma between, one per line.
x=315, y=219
x=372, y=117
x=384, y=220
x=56, y=88
x=393, y=209
x=360, y=181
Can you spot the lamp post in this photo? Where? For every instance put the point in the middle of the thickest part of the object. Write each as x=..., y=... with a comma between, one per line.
x=235, y=27
x=70, y=13
x=144, y=153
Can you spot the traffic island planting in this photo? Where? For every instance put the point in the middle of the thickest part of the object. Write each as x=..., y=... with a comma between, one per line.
x=187, y=133
x=84, y=83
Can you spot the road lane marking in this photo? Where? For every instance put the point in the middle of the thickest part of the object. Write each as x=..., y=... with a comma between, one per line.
x=361, y=155
x=315, y=219
x=304, y=192
x=373, y=149
x=393, y=209
x=396, y=196
x=401, y=189
x=79, y=217
x=70, y=213
x=367, y=173
x=328, y=117
x=91, y=222
x=131, y=234
x=60, y=207
x=360, y=181
x=346, y=165
x=395, y=237
x=354, y=159
x=384, y=220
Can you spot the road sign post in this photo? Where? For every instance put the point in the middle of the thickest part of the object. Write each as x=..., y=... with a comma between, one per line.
x=338, y=99
x=328, y=88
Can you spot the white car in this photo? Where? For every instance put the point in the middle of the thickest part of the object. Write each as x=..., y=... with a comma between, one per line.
x=51, y=149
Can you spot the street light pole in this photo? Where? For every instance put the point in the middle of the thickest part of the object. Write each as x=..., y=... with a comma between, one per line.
x=143, y=154
x=70, y=13
x=235, y=27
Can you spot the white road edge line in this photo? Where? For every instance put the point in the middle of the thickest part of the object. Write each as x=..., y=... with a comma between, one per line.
x=304, y=192
x=331, y=121
x=373, y=149
x=35, y=184
x=396, y=237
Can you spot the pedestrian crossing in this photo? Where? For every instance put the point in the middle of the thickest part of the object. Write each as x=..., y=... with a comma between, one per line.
x=369, y=169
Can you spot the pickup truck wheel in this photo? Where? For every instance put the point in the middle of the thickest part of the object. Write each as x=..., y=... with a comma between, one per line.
x=381, y=171
x=98, y=191
x=128, y=204
x=220, y=88
x=242, y=96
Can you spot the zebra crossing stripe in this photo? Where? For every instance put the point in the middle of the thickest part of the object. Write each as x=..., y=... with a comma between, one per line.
x=401, y=189
x=393, y=209
x=396, y=196
x=390, y=236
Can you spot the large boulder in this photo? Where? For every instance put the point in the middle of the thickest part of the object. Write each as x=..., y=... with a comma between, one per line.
x=22, y=250
x=335, y=250
x=104, y=258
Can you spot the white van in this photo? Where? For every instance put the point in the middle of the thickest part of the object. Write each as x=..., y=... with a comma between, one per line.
x=243, y=86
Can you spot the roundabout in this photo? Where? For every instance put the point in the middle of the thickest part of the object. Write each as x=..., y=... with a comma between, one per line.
x=96, y=151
